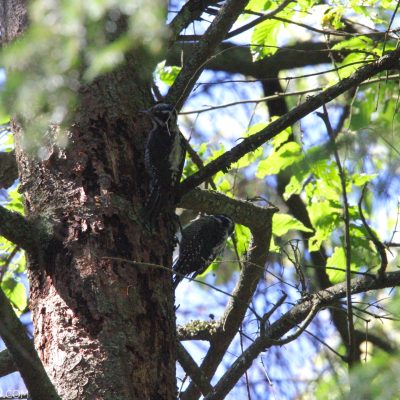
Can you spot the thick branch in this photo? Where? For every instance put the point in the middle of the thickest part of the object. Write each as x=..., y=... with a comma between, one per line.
x=259, y=220
x=8, y=169
x=290, y=320
x=223, y=162
x=216, y=32
x=23, y=353
x=212, y=202
x=238, y=60
x=7, y=365
x=15, y=228
x=191, y=368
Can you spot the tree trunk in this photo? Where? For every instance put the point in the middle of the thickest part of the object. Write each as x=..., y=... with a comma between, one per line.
x=104, y=327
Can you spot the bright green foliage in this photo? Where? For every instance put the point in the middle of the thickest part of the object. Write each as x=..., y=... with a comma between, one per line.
x=265, y=38
x=333, y=18
x=11, y=267
x=259, y=5
x=243, y=237
x=15, y=201
x=282, y=156
x=283, y=223
x=375, y=379
x=287, y=154
x=167, y=74
x=15, y=290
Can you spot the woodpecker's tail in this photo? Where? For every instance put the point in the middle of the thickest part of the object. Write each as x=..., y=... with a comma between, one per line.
x=153, y=206
x=177, y=278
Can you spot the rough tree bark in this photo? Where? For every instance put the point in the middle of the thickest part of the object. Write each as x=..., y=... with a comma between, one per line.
x=103, y=328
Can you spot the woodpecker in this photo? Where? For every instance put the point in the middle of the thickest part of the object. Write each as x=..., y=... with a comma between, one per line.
x=202, y=241
x=164, y=158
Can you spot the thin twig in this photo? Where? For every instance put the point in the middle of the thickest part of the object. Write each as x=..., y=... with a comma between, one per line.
x=213, y=36
x=191, y=11
x=291, y=319
x=251, y=143
x=268, y=314
x=281, y=95
x=342, y=176
x=390, y=24
x=380, y=248
x=257, y=21
x=280, y=342
x=197, y=160
x=318, y=339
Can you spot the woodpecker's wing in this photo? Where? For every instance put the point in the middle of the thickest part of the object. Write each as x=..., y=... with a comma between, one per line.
x=202, y=241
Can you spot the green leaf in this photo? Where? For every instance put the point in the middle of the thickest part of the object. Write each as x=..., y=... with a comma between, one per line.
x=224, y=186
x=325, y=216
x=336, y=260
x=295, y=185
x=355, y=43
x=255, y=128
x=288, y=154
x=259, y=5
x=15, y=201
x=107, y=58
x=362, y=179
x=243, y=237
x=249, y=158
x=282, y=137
x=168, y=74
x=274, y=248
x=353, y=62
x=282, y=223
x=264, y=39
x=16, y=293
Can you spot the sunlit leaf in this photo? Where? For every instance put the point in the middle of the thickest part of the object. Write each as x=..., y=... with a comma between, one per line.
x=168, y=74
x=282, y=223
x=287, y=154
x=16, y=293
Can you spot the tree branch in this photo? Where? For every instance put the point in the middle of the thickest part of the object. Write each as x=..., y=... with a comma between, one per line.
x=347, y=242
x=223, y=162
x=212, y=202
x=23, y=353
x=192, y=369
x=8, y=169
x=290, y=320
x=237, y=59
x=259, y=20
x=213, y=36
x=197, y=330
x=15, y=228
x=380, y=248
x=191, y=11
x=259, y=220
x=7, y=365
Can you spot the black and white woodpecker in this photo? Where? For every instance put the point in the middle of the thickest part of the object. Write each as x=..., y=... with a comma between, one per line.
x=202, y=241
x=164, y=158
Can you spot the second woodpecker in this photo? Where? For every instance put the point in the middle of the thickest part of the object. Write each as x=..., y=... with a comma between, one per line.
x=164, y=158
x=202, y=241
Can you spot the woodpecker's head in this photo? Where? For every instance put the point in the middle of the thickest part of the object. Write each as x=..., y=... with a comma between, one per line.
x=225, y=222
x=162, y=114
